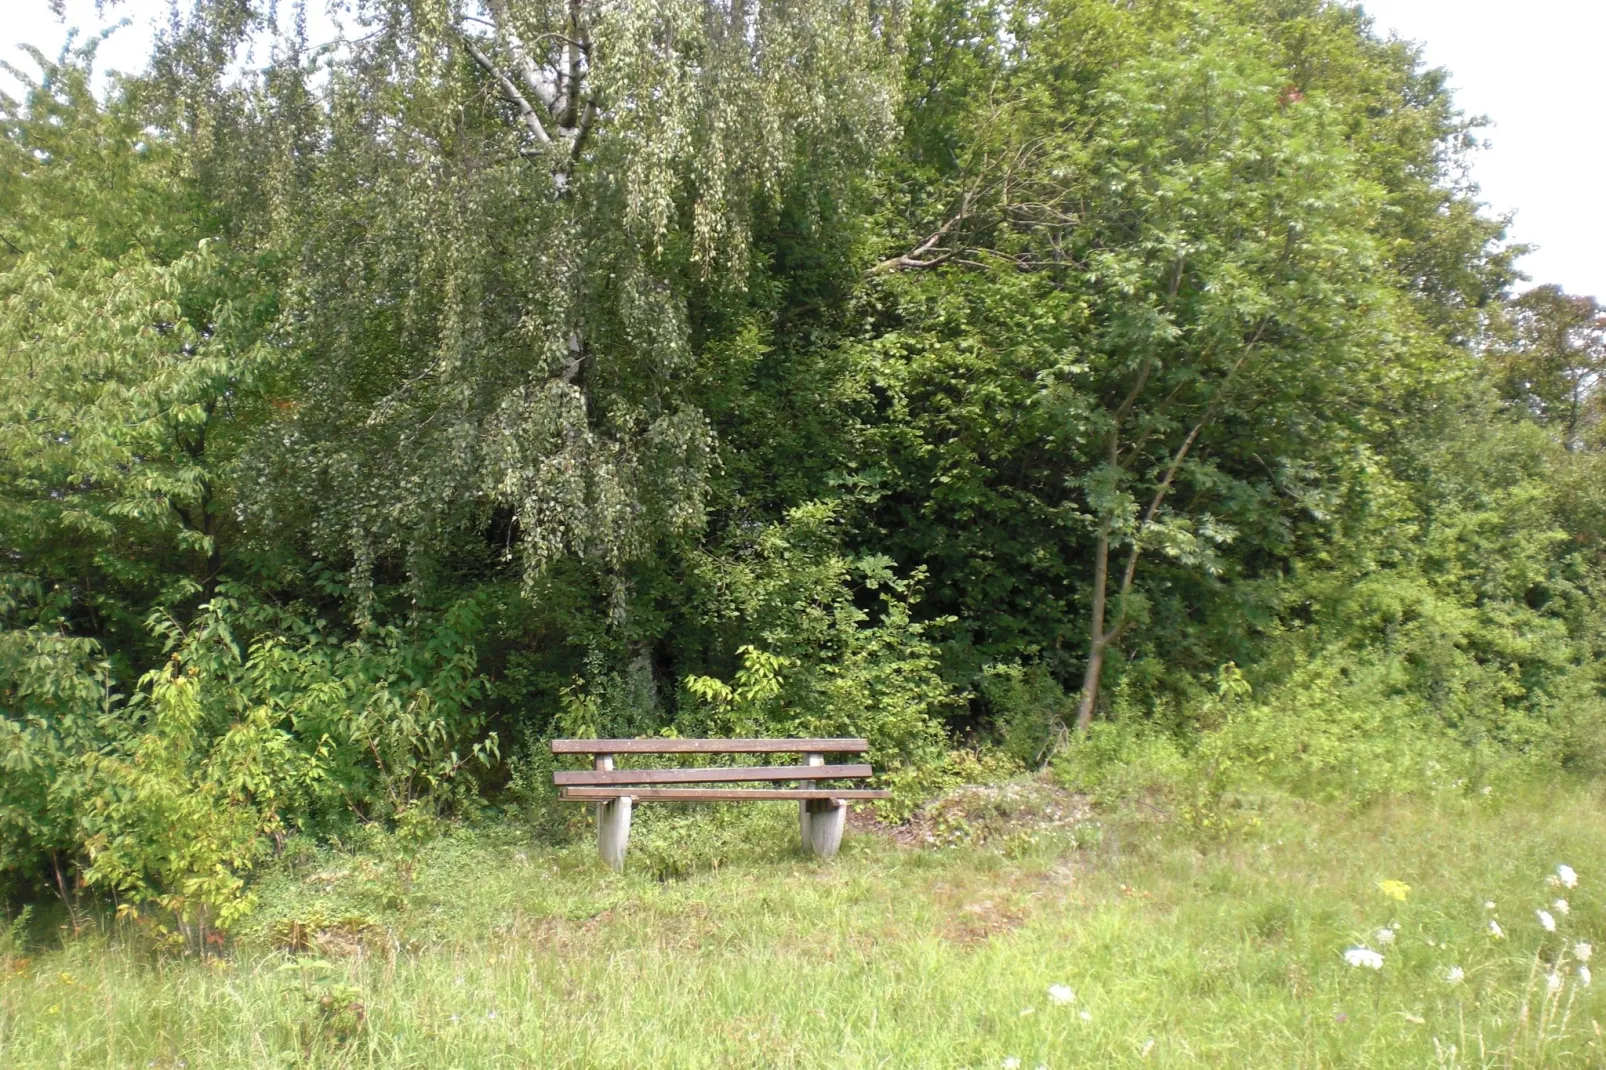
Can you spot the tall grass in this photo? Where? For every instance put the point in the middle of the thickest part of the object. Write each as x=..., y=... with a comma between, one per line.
x=484, y=951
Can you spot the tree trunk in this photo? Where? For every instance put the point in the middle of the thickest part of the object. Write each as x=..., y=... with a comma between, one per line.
x=1097, y=640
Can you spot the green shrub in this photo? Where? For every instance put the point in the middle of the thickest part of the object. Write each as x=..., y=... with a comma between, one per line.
x=55, y=692
x=1029, y=709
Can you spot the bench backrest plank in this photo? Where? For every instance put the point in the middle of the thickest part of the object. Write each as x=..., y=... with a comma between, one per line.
x=708, y=776
x=709, y=746
x=722, y=794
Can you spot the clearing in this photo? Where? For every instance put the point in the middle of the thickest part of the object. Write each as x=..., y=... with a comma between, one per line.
x=1008, y=926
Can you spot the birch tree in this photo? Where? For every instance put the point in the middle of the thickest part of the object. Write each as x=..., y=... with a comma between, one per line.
x=491, y=219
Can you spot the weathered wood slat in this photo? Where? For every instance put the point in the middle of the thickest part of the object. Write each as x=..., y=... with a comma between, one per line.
x=719, y=794
x=708, y=746
x=715, y=775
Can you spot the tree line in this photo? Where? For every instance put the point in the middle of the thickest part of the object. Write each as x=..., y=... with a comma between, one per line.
x=1017, y=375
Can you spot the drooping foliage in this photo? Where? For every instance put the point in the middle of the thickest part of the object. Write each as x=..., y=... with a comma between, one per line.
x=952, y=371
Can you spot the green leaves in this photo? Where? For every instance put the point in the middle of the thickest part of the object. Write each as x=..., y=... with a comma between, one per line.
x=544, y=367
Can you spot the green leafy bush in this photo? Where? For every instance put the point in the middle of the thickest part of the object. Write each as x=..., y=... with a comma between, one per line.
x=824, y=665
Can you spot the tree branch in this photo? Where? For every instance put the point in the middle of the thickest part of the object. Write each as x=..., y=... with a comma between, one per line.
x=911, y=259
x=546, y=91
x=1164, y=488
x=526, y=113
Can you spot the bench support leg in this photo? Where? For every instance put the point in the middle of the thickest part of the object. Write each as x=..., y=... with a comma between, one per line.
x=825, y=819
x=613, y=831
x=803, y=815
x=613, y=823
x=820, y=821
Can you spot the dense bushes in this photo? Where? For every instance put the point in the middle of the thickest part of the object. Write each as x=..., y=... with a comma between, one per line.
x=366, y=421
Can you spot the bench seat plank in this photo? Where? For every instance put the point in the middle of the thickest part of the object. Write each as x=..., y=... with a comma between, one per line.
x=590, y=794
x=718, y=774
x=709, y=746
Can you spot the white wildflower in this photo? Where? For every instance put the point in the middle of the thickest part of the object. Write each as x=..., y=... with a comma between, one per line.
x=1545, y=920
x=1495, y=930
x=1553, y=982
x=1454, y=975
x=1384, y=936
x=1011, y=1062
x=1565, y=874
x=1364, y=956
x=1061, y=994
x=1582, y=951
x=1086, y=1016
x=1488, y=904
x=1562, y=907
x=1583, y=976
x=1148, y=1046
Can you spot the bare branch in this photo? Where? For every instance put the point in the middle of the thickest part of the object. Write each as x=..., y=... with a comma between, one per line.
x=545, y=89
x=912, y=259
x=509, y=90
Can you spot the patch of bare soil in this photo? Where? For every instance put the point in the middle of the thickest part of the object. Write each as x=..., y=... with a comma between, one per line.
x=978, y=815
x=978, y=906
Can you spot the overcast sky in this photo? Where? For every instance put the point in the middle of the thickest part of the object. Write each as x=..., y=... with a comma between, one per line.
x=1537, y=68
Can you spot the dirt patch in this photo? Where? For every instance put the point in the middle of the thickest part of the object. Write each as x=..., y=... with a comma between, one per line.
x=979, y=815
x=981, y=906
x=982, y=920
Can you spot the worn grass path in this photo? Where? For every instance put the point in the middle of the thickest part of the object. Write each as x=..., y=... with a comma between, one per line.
x=1181, y=951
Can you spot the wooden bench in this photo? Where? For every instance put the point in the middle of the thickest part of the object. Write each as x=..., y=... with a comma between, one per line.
x=822, y=811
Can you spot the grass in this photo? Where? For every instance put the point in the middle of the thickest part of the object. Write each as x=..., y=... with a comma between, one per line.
x=485, y=951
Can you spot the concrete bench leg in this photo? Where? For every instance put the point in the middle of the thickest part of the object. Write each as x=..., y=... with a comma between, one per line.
x=613, y=831
x=613, y=823
x=820, y=821
x=826, y=818
x=803, y=815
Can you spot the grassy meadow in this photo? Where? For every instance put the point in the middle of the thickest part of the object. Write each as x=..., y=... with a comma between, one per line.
x=1016, y=928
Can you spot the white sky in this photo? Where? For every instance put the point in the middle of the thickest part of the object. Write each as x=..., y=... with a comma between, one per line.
x=1536, y=67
